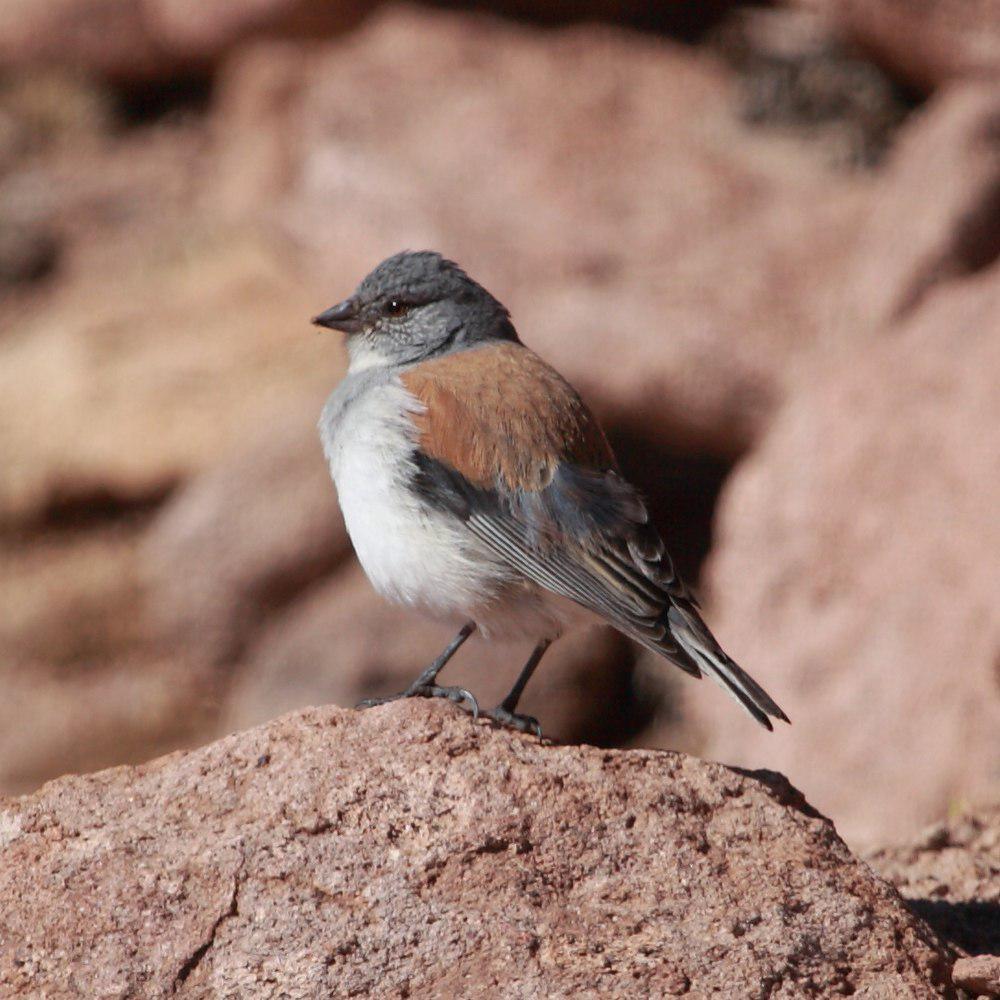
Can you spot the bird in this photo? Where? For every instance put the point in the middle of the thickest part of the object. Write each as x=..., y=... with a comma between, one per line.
x=478, y=488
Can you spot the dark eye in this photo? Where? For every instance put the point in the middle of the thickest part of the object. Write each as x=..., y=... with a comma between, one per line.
x=396, y=307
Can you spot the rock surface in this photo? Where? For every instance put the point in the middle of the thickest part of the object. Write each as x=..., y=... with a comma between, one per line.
x=979, y=976
x=822, y=531
x=698, y=264
x=721, y=292
x=408, y=852
x=925, y=42
x=142, y=39
x=950, y=875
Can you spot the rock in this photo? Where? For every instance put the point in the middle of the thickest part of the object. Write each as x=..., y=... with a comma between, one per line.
x=244, y=537
x=950, y=876
x=342, y=643
x=56, y=721
x=979, y=975
x=114, y=394
x=143, y=39
x=27, y=253
x=855, y=575
x=947, y=161
x=818, y=591
x=697, y=259
x=926, y=43
x=795, y=73
x=408, y=851
x=145, y=387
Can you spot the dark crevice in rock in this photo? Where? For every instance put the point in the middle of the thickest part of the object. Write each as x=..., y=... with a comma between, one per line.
x=795, y=73
x=687, y=21
x=974, y=926
x=80, y=507
x=163, y=101
x=197, y=956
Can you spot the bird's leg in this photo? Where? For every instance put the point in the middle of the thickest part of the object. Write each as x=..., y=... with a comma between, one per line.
x=504, y=714
x=425, y=687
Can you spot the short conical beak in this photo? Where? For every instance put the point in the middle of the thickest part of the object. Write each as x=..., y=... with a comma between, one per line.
x=343, y=316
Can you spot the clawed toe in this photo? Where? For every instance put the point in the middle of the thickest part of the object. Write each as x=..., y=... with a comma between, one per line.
x=460, y=696
x=512, y=720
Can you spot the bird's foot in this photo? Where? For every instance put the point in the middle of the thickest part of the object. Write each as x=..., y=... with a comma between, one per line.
x=460, y=696
x=522, y=723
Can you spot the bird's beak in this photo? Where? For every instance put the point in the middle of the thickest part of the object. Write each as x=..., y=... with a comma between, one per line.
x=343, y=316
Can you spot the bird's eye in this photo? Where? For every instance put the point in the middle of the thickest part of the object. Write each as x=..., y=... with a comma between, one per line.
x=396, y=307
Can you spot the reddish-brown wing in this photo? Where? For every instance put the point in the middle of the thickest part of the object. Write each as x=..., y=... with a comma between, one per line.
x=500, y=411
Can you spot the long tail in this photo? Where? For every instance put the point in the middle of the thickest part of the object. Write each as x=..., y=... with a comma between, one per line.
x=691, y=634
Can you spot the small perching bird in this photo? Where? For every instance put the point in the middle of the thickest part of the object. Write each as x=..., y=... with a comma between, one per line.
x=478, y=488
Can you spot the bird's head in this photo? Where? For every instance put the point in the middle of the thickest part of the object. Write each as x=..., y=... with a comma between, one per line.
x=413, y=306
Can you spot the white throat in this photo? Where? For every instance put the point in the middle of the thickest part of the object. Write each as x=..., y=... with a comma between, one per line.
x=362, y=356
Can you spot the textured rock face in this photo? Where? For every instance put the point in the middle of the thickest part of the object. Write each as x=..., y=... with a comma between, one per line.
x=821, y=534
x=979, y=976
x=849, y=564
x=170, y=552
x=950, y=875
x=133, y=39
x=408, y=852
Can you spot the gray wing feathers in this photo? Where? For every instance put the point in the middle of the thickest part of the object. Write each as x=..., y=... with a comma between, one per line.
x=587, y=537
x=698, y=642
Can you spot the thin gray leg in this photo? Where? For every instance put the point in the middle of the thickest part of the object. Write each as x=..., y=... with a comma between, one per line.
x=425, y=687
x=505, y=713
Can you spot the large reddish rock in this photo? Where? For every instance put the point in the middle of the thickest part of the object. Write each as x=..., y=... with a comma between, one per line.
x=600, y=183
x=855, y=572
x=408, y=852
x=141, y=39
x=854, y=565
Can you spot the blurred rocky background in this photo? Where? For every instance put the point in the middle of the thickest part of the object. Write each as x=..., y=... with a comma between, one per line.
x=762, y=240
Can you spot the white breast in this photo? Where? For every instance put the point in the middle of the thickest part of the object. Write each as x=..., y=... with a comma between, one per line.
x=411, y=553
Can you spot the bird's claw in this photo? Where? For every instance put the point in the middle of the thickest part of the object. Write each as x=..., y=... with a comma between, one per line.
x=513, y=720
x=461, y=696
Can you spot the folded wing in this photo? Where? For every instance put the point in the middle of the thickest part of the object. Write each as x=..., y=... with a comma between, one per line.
x=506, y=445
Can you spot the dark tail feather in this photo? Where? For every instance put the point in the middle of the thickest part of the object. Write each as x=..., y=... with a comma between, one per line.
x=694, y=639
